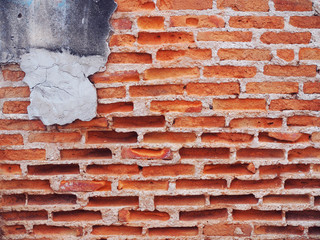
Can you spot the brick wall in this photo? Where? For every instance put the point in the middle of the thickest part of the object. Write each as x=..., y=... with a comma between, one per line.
x=207, y=128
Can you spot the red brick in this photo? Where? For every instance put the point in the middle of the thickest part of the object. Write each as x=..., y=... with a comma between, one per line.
x=96, y=123
x=115, y=107
x=199, y=122
x=286, y=199
x=51, y=169
x=113, y=169
x=208, y=89
x=167, y=73
x=150, y=23
x=306, y=215
x=204, y=153
x=173, y=231
x=133, y=216
x=315, y=137
x=84, y=186
x=233, y=199
x=160, y=38
x=227, y=230
x=139, y=122
x=248, y=215
x=237, y=184
x=294, y=104
x=239, y=104
x=122, y=77
x=304, y=153
x=284, y=169
x=13, y=75
x=309, y=54
x=293, y=5
x=55, y=137
x=291, y=71
x=75, y=154
x=244, y=5
x=178, y=200
x=244, y=54
x=25, y=184
x=15, y=107
x=226, y=137
x=311, y=87
x=13, y=230
x=13, y=200
x=121, y=24
x=116, y=230
x=77, y=215
x=13, y=92
x=113, y=201
x=302, y=183
x=199, y=183
x=279, y=230
x=116, y=92
x=199, y=21
x=52, y=199
x=156, y=90
x=303, y=121
x=192, y=53
x=290, y=137
x=129, y=58
x=95, y=137
x=10, y=139
x=257, y=22
x=256, y=153
x=286, y=54
x=25, y=154
x=256, y=123
x=286, y=38
x=168, y=170
x=24, y=215
x=272, y=87
x=215, y=214
x=182, y=5
x=175, y=106
x=227, y=169
x=23, y=125
x=229, y=72
x=123, y=40
x=135, y=5
x=143, y=185
x=234, y=36
x=57, y=230
x=278, y=137
x=146, y=154
x=169, y=137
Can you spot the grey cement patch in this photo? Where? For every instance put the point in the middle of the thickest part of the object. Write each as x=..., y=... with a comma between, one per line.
x=58, y=43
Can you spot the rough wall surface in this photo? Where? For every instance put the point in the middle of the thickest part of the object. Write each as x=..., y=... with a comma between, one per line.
x=207, y=128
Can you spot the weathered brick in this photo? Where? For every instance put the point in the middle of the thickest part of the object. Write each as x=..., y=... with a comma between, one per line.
x=57, y=230
x=249, y=215
x=286, y=199
x=13, y=92
x=286, y=38
x=113, y=169
x=117, y=40
x=51, y=169
x=199, y=21
x=199, y=122
x=192, y=53
x=25, y=184
x=11, y=139
x=13, y=75
x=173, y=231
x=291, y=71
x=244, y=5
x=279, y=230
x=115, y=107
x=116, y=230
x=95, y=137
x=148, y=38
x=175, y=106
x=96, y=123
x=182, y=5
x=233, y=199
x=283, y=169
x=135, y=5
x=168, y=170
x=293, y=5
x=133, y=216
x=151, y=23
x=177, y=200
x=257, y=22
x=204, y=153
x=23, y=125
x=309, y=54
x=237, y=184
x=286, y=54
x=303, y=121
x=139, y=122
x=229, y=72
x=116, y=92
x=169, y=137
x=13, y=230
x=227, y=230
x=74, y=154
x=256, y=123
x=272, y=87
x=15, y=107
x=207, y=89
x=215, y=214
x=219, y=36
x=77, y=215
x=244, y=54
x=146, y=154
x=144, y=185
x=25, y=154
x=294, y=104
x=24, y=215
x=129, y=58
x=227, y=137
x=113, y=201
x=198, y=184
x=156, y=90
x=10, y=169
x=106, y=77
x=121, y=24
x=84, y=186
x=55, y=137
x=167, y=73
x=227, y=169
x=239, y=104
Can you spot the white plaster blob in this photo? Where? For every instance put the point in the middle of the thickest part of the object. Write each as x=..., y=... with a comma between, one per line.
x=60, y=89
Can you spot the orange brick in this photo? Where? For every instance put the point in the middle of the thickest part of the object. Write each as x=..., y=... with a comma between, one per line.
x=77, y=215
x=116, y=230
x=227, y=230
x=169, y=137
x=239, y=104
x=168, y=170
x=156, y=90
x=135, y=5
x=286, y=38
x=146, y=154
x=115, y=92
x=303, y=121
x=126, y=40
x=309, y=54
x=244, y=5
x=286, y=199
x=293, y=5
x=115, y=107
x=198, y=184
x=133, y=216
x=23, y=125
x=57, y=230
x=233, y=199
x=25, y=184
x=10, y=139
x=150, y=23
x=181, y=5
x=192, y=53
x=199, y=21
x=113, y=169
x=96, y=123
x=279, y=230
x=244, y=54
x=256, y=123
x=24, y=215
x=13, y=92
x=129, y=58
x=121, y=24
x=194, y=200
x=215, y=214
x=204, y=153
x=272, y=87
x=291, y=71
x=84, y=186
x=257, y=22
x=237, y=184
x=143, y=185
x=234, y=36
x=304, y=153
x=199, y=122
x=315, y=137
x=286, y=54
x=256, y=153
x=55, y=137
x=15, y=107
x=173, y=231
x=227, y=137
x=227, y=169
x=287, y=137
x=294, y=104
x=283, y=169
x=139, y=122
x=25, y=154
x=13, y=75
x=248, y=215
x=159, y=38
x=167, y=73
x=229, y=72
x=175, y=106
x=76, y=154
x=94, y=137
x=10, y=169
x=113, y=201
x=208, y=89
x=106, y=77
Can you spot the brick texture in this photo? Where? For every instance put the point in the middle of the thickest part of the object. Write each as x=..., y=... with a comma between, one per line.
x=208, y=127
